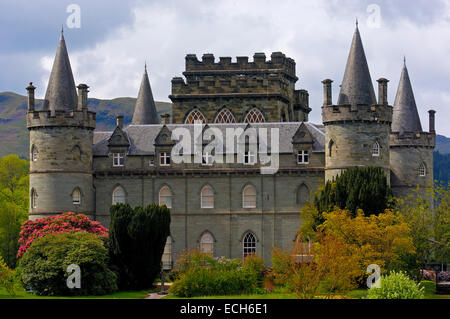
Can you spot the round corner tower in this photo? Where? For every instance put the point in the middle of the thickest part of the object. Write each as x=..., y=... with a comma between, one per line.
x=61, y=136
x=357, y=128
x=411, y=147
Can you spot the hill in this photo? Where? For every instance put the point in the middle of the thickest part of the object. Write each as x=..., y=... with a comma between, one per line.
x=14, y=134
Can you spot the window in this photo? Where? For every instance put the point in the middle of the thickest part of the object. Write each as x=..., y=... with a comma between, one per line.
x=207, y=159
x=207, y=197
x=225, y=116
x=331, y=148
x=118, y=195
x=207, y=244
x=249, y=197
x=195, y=116
x=76, y=196
x=376, y=149
x=254, y=116
x=165, y=197
x=118, y=159
x=152, y=162
x=34, y=153
x=249, y=158
x=164, y=159
x=249, y=245
x=303, y=157
x=33, y=198
x=422, y=170
x=167, y=254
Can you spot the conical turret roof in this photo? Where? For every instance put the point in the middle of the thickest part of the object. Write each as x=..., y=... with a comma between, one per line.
x=405, y=116
x=145, y=109
x=61, y=93
x=357, y=87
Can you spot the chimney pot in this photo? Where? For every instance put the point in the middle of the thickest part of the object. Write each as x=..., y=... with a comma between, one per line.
x=165, y=118
x=382, y=91
x=120, y=121
x=30, y=89
x=327, y=93
x=432, y=114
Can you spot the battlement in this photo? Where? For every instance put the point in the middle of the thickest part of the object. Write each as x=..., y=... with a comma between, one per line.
x=412, y=139
x=380, y=113
x=61, y=118
x=278, y=62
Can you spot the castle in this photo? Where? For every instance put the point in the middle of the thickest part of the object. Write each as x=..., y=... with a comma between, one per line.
x=227, y=208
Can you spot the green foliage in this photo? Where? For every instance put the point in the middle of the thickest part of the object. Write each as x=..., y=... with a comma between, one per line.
x=13, y=204
x=136, y=239
x=429, y=287
x=7, y=278
x=396, y=285
x=43, y=267
x=441, y=167
x=356, y=188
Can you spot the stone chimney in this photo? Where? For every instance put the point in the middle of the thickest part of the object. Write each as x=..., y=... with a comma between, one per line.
x=30, y=90
x=327, y=93
x=432, y=121
x=120, y=121
x=82, y=97
x=165, y=118
x=382, y=91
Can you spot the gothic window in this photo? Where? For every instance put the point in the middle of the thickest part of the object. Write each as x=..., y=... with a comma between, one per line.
x=76, y=197
x=302, y=194
x=34, y=153
x=254, y=116
x=249, y=197
x=207, y=244
x=165, y=197
x=207, y=197
x=303, y=157
x=33, y=198
x=376, y=149
x=76, y=153
x=164, y=159
x=167, y=254
x=118, y=195
x=194, y=117
x=331, y=148
x=118, y=159
x=249, y=244
x=249, y=158
x=225, y=116
x=422, y=170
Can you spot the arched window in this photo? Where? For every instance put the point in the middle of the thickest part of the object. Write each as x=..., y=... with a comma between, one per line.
x=254, y=116
x=376, y=149
x=33, y=198
x=167, y=254
x=331, y=147
x=165, y=197
x=195, y=116
x=207, y=244
x=225, y=116
x=34, y=153
x=207, y=197
x=422, y=170
x=302, y=194
x=249, y=197
x=76, y=153
x=76, y=196
x=249, y=244
x=118, y=195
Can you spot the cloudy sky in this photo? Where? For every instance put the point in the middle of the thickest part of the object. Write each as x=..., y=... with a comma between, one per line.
x=115, y=37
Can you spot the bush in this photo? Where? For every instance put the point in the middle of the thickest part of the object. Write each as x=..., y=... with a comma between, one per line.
x=428, y=275
x=428, y=286
x=63, y=223
x=443, y=276
x=7, y=278
x=396, y=285
x=137, y=240
x=43, y=267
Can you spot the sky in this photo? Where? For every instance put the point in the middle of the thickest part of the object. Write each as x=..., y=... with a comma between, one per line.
x=114, y=38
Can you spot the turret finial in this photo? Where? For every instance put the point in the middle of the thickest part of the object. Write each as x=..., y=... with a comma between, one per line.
x=357, y=23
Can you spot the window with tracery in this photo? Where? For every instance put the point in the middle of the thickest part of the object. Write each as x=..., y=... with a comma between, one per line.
x=254, y=116
x=225, y=116
x=195, y=116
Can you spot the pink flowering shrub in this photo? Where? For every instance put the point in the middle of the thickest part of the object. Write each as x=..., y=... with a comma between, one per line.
x=63, y=223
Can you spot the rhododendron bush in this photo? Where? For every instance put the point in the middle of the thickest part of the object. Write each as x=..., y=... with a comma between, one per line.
x=63, y=223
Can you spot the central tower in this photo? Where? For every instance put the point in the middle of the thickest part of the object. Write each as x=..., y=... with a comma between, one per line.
x=357, y=128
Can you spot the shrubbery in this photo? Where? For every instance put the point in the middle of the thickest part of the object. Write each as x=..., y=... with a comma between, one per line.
x=200, y=274
x=43, y=267
x=7, y=278
x=396, y=285
x=443, y=276
x=63, y=223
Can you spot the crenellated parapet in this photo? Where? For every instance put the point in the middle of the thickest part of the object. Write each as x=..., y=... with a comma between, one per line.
x=379, y=113
x=61, y=118
x=413, y=139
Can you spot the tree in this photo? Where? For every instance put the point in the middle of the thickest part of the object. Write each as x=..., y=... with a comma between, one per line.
x=137, y=238
x=13, y=204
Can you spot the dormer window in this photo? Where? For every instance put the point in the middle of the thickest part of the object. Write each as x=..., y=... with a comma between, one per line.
x=164, y=159
x=376, y=149
x=249, y=158
x=303, y=157
x=207, y=159
x=118, y=159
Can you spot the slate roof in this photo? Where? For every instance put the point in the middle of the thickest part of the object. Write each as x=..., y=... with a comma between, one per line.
x=405, y=117
x=61, y=93
x=357, y=87
x=142, y=137
x=145, y=109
